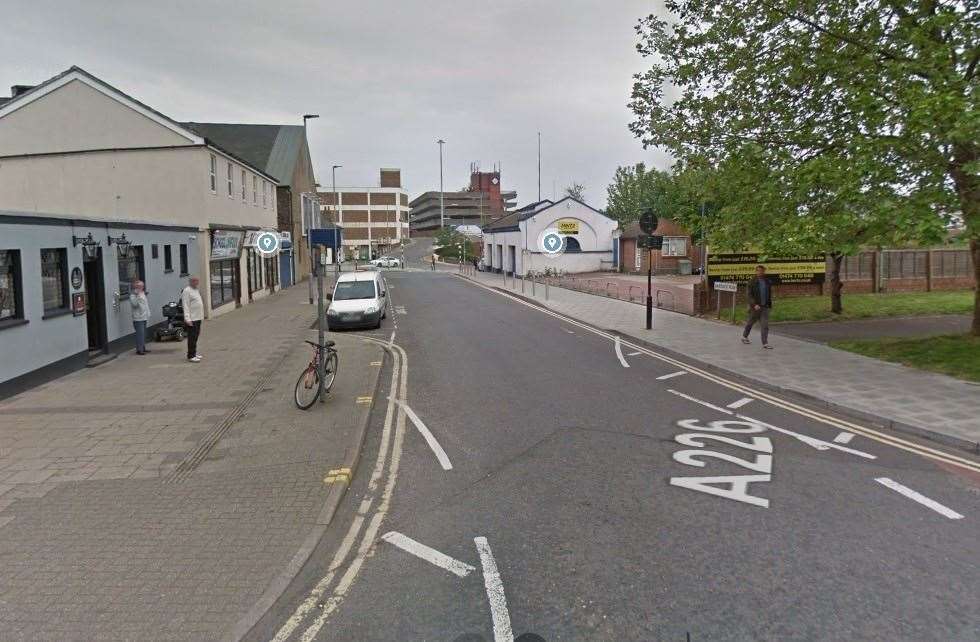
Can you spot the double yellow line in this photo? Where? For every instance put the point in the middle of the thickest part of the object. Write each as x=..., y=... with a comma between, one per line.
x=891, y=440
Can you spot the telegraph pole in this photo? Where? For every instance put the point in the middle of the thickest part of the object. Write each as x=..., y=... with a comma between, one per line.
x=442, y=194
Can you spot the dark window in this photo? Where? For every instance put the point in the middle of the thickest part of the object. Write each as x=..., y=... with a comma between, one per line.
x=183, y=259
x=224, y=281
x=571, y=244
x=254, y=271
x=131, y=269
x=272, y=271
x=349, y=290
x=11, y=296
x=168, y=259
x=54, y=279
x=154, y=251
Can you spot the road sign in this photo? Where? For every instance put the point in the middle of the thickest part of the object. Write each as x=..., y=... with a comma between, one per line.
x=648, y=221
x=650, y=242
x=267, y=243
x=726, y=286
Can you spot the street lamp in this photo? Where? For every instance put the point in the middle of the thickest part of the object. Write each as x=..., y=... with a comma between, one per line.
x=442, y=205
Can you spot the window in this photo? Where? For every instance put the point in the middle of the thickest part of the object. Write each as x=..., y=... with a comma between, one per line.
x=214, y=174
x=243, y=186
x=272, y=271
x=255, y=190
x=571, y=245
x=224, y=281
x=183, y=259
x=54, y=280
x=154, y=252
x=674, y=246
x=11, y=296
x=254, y=264
x=131, y=269
x=168, y=259
x=231, y=190
x=265, y=193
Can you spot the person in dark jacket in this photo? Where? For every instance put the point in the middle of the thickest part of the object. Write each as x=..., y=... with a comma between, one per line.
x=760, y=302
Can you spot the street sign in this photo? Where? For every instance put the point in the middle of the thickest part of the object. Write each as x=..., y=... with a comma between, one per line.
x=650, y=242
x=648, y=221
x=725, y=286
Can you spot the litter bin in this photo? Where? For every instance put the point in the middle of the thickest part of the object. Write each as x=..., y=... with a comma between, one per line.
x=684, y=267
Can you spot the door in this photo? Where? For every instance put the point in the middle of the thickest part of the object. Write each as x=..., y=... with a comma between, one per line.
x=285, y=269
x=95, y=317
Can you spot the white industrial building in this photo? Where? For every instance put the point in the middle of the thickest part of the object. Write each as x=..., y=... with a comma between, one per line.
x=511, y=244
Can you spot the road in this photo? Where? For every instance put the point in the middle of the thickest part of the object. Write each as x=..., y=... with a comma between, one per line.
x=570, y=510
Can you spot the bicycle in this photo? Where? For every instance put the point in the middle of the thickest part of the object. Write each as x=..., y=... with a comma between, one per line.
x=310, y=386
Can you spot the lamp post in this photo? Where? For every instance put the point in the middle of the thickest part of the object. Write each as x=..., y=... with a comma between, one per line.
x=442, y=205
x=309, y=248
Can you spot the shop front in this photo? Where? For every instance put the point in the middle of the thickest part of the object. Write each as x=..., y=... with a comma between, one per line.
x=224, y=270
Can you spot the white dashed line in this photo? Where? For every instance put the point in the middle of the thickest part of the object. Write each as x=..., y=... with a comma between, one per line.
x=428, y=554
x=741, y=402
x=671, y=375
x=495, y=593
x=916, y=497
x=698, y=401
x=619, y=353
x=844, y=438
x=634, y=354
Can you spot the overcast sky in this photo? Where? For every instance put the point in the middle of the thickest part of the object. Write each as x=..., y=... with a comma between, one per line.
x=388, y=78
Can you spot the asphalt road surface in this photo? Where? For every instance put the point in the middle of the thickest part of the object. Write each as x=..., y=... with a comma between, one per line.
x=575, y=504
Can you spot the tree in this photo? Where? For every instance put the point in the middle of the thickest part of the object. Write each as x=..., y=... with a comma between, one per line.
x=842, y=118
x=576, y=191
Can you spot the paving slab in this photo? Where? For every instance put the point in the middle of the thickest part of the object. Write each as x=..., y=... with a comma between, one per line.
x=107, y=546
x=926, y=404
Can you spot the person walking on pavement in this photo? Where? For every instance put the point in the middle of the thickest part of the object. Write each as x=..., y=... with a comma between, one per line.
x=433, y=262
x=141, y=314
x=193, y=304
x=760, y=303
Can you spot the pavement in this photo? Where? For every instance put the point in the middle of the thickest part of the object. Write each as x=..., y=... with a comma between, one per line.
x=152, y=498
x=895, y=396
x=550, y=481
x=924, y=326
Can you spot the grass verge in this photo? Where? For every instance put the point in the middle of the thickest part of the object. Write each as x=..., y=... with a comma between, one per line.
x=957, y=355
x=863, y=306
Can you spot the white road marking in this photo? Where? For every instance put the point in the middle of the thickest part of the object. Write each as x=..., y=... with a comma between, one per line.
x=671, y=375
x=819, y=444
x=698, y=401
x=634, y=354
x=916, y=497
x=430, y=555
x=880, y=437
x=568, y=331
x=495, y=592
x=844, y=438
x=429, y=437
x=619, y=353
x=741, y=402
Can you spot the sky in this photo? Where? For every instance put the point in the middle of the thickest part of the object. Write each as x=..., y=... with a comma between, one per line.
x=388, y=78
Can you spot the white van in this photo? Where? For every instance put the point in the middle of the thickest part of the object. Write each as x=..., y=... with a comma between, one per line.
x=359, y=300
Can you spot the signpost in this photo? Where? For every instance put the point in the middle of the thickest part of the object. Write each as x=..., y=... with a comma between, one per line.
x=648, y=223
x=726, y=286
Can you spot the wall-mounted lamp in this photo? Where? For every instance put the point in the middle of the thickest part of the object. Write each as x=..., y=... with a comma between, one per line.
x=90, y=247
x=122, y=245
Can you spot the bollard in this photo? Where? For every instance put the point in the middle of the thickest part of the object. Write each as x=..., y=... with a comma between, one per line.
x=532, y=286
x=545, y=290
x=522, y=284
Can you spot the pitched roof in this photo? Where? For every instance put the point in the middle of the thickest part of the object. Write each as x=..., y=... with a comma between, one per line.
x=512, y=221
x=274, y=148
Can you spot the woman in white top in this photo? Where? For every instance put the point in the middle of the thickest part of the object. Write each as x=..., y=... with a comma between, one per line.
x=193, y=304
x=141, y=314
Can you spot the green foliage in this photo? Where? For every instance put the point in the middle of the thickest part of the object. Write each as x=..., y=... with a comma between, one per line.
x=955, y=355
x=862, y=306
x=450, y=240
x=576, y=191
x=830, y=124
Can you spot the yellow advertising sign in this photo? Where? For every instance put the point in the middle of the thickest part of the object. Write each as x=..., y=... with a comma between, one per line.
x=779, y=269
x=567, y=226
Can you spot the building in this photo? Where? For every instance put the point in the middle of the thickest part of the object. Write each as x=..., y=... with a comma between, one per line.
x=374, y=219
x=677, y=256
x=512, y=243
x=96, y=190
x=482, y=203
x=283, y=152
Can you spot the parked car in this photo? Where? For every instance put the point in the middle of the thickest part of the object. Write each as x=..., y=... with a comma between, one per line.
x=359, y=300
x=386, y=261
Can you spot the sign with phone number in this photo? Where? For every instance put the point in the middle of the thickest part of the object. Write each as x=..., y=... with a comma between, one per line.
x=779, y=269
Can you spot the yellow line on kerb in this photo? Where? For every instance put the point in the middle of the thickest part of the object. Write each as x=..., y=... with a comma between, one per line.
x=337, y=475
x=375, y=363
x=367, y=399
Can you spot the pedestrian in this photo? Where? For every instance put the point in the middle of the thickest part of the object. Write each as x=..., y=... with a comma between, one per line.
x=760, y=303
x=141, y=314
x=433, y=262
x=193, y=304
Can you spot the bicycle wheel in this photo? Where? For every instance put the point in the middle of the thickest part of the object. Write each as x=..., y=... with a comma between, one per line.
x=308, y=388
x=329, y=371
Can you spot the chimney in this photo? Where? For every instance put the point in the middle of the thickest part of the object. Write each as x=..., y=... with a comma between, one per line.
x=17, y=90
